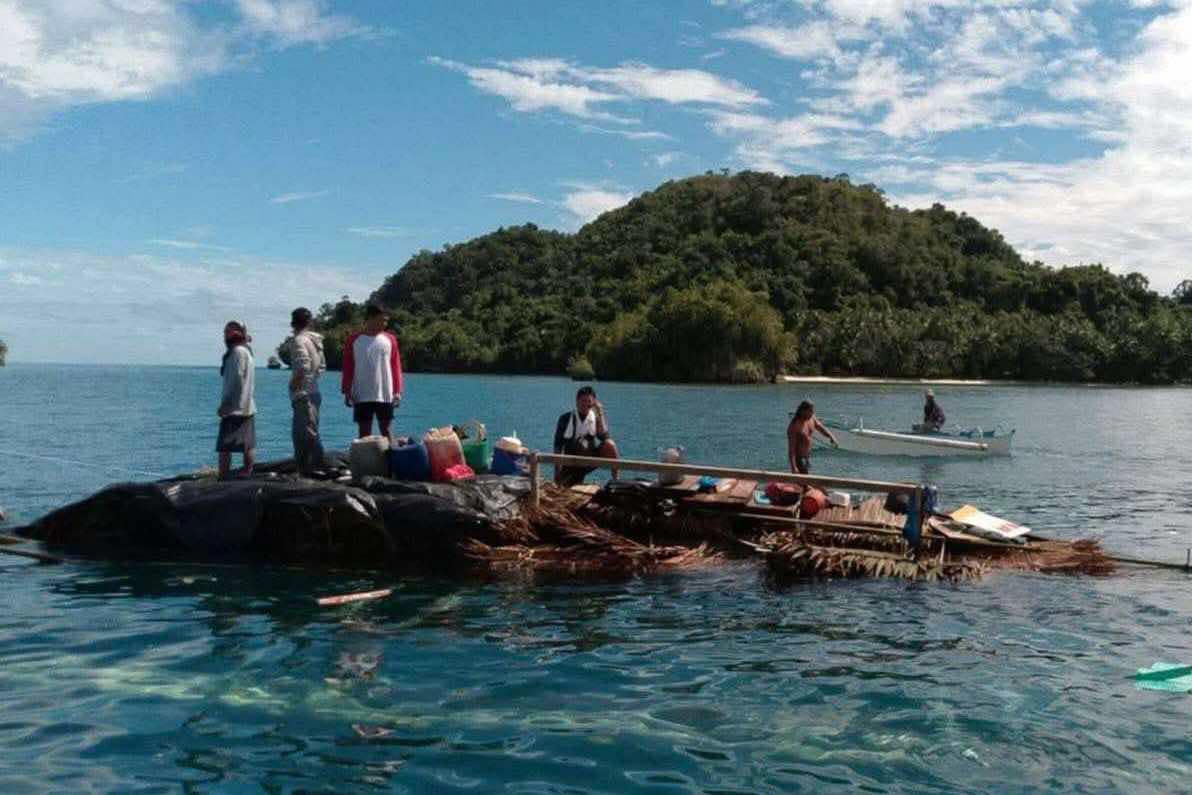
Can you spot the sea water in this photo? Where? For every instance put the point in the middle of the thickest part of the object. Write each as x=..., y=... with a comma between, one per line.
x=168, y=678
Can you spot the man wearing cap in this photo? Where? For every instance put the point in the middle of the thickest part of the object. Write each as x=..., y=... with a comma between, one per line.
x=237, y=406
x=933, y=415
x=307, y=363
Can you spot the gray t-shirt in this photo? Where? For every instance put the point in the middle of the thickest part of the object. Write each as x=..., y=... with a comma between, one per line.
x=238, y=383
x=307, y=362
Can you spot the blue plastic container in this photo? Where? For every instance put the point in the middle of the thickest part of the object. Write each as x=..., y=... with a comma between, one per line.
x=409, y=462
x=506, y=463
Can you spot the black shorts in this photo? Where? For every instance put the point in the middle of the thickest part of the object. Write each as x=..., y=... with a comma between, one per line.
x=587, y=446
x=236, y=435
x=803, y=464
x=364, y=412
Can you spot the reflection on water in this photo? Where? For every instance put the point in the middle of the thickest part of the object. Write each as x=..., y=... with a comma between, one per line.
x=120, y=678
x=712, y=682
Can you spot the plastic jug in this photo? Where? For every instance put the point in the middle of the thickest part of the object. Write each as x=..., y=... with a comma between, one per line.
x=408, y=460
x=367, y=456
x=444, y=450
x=671, y=455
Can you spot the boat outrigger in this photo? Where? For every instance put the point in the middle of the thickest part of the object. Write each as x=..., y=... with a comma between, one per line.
x=974, y=443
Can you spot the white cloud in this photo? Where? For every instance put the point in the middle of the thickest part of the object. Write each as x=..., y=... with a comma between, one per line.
x=1115, y=181
x=525, y=198
x=168, y=310
x=380, y=231
x=528, y=88
x=291, y=22
x=676, y=86
x=190, y=245
x=586, y=203
x=540, y=84
x=297, y=196
x=813, y=40
x=664, y=159
x=57, y=54
x=633, y=135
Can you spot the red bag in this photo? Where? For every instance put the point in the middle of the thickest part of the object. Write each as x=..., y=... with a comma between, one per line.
x=783, y=493
x=458, y=472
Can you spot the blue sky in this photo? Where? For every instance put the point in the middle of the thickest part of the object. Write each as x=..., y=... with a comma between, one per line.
x=165, y=166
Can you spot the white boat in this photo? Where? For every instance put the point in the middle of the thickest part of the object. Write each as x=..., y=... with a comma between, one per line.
x=973, y=443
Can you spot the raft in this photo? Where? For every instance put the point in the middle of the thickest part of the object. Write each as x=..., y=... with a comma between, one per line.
x=516, y=526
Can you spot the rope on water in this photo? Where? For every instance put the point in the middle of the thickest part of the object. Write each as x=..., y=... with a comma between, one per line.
x=72, y=462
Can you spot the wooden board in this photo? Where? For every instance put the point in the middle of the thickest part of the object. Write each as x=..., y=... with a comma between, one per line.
x=686, y=487
x=738, y=492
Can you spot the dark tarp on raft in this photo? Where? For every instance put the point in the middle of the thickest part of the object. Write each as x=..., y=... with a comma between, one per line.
x=374, y=522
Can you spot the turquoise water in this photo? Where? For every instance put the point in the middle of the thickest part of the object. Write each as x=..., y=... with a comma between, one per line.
x=118, y=678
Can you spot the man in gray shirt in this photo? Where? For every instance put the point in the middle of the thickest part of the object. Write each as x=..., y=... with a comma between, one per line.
x=307, y=363
x=237, y=408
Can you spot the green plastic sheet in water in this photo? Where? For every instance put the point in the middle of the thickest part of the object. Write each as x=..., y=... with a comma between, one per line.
x=1169, y=677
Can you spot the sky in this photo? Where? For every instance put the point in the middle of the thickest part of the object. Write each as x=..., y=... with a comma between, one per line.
x=167, y=166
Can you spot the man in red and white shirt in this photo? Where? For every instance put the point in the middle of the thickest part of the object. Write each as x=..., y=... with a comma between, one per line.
x=371, y=380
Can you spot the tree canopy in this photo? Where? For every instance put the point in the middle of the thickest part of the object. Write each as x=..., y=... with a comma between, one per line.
x=738, y=277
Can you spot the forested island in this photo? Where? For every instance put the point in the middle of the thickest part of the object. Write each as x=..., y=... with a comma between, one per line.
x=738, y=278
x=3, y=353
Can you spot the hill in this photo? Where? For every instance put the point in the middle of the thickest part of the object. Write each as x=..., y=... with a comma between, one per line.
x=735, y=278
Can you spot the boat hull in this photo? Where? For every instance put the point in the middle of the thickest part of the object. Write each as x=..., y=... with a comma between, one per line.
x=872, y=442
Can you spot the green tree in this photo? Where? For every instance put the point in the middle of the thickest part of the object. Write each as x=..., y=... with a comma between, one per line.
x=858, y=286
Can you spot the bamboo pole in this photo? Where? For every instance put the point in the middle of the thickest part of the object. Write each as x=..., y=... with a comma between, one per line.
x=535, y=491
x=820, y=481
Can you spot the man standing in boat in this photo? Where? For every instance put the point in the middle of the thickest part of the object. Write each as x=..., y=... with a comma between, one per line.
x=933, y=415
x=307, y=363
x=798, y=437
x=371, y=379
x=583, y=432
x=237, y=406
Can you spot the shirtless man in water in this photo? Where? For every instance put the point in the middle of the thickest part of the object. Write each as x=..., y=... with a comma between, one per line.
x=798, y=437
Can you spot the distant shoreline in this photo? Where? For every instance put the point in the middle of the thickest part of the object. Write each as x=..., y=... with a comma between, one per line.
x=829, y=380
x=866, y=380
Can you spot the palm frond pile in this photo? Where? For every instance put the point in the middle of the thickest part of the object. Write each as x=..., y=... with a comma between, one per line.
x=635, y=533
x=554, y=539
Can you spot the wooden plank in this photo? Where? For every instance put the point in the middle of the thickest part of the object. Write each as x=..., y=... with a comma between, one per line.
x=737, y=492
x=354, y=597
x=947, y=532
x=687, y=486
x=820, y=481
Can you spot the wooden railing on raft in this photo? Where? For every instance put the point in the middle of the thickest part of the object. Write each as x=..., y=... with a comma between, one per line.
x=819, y=481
